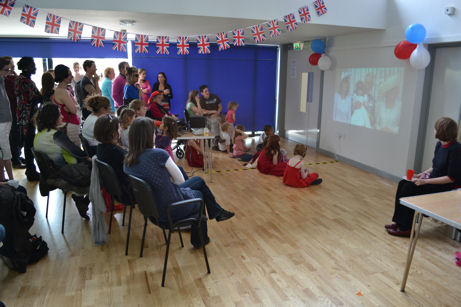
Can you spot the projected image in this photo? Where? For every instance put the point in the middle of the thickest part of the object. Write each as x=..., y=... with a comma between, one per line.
x=369, y=97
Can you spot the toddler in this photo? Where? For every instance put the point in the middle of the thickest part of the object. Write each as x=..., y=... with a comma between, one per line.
x=296, y=174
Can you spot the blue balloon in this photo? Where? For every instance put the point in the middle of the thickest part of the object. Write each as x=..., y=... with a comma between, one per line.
x=318, y=46
x=415, y=33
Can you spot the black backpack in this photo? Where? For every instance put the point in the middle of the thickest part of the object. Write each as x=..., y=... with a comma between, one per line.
x=17, y=213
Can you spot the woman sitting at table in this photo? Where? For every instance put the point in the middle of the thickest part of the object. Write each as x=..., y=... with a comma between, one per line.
x=444, y=175
x=271, y=161
x=157, y=168
x=193, y=107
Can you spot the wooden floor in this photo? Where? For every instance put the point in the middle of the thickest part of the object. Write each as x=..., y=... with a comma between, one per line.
x=323, y=245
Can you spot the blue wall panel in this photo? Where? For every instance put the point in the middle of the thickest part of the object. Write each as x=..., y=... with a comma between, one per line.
x=246, y=75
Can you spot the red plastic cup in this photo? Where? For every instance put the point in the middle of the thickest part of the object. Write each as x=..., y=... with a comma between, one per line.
x=410, y=174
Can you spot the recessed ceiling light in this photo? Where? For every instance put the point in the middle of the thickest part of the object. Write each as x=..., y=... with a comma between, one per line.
x=127, y=22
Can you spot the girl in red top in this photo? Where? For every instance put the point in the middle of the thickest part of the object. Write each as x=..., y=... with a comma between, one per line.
x=231, y=108
x=271, y=160
x=296, y=174
x=157, y=111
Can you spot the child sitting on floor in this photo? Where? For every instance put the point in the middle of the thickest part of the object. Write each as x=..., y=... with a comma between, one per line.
x=240, y=151
x=225, y=137
x=296, y=174
x=126, y=118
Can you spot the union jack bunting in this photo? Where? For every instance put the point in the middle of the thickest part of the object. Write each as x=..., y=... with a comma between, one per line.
x=141, y=42
x=163, y=44
x=239, y=37
x=6, y=6
x=53, y=24
x=183, y=45
x=290, y=22
x=120, y=41
x=203, y=44
x=304, y=14
x=258, y=33
x=320, y=7
x=274, y=28
x=75, y=31
x=223, y=41
x=98, y=35
x=29, y=15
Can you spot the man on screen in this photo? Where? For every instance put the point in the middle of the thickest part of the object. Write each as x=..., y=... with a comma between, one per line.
x=343, y=102
x=388, y=106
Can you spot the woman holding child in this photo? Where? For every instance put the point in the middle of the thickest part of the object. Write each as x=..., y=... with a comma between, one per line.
x=444, y=175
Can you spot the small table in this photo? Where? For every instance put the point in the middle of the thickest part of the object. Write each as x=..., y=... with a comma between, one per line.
x=444, y=206
x=206, y=148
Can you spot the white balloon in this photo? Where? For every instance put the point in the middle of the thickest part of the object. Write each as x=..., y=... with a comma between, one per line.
x=420, y=57
x=324, y=62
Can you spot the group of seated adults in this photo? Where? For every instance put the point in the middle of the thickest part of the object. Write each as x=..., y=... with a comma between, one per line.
x=142, y=160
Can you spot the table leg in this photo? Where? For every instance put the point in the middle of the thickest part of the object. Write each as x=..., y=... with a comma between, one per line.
x=209, y=159
x=417, y=219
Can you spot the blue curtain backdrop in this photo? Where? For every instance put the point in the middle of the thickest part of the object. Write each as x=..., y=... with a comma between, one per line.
x=246, y=75
x=56, y=48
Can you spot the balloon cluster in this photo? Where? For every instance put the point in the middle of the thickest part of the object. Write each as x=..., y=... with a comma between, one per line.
x=412, y=48
x=319, y=57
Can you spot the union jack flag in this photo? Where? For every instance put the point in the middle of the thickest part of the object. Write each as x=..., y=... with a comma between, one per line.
x=183, y=45
x=98, y=36
x=223, y=41
x=203, y=44
x=304, y=14
x=141, y=42
x=120, y=41
x=258, y=34
x=320, y=7
x=6, y=6
x=239, y=37
x=29, y=15
x=163, y=44
x=53, y=24
x=274, y=28
x=75, y=31
x=290, y=22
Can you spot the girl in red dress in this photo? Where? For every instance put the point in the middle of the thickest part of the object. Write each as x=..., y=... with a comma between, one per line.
x=271, y=160
x=296, y=174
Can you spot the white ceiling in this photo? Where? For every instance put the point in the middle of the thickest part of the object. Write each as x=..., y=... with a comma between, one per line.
x=164, y=24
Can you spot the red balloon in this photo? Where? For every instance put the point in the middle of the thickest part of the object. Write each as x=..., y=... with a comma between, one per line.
x=404, y=49
x=314, y=58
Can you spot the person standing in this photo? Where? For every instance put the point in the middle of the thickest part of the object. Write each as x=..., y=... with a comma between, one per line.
x=15, y=133
x=162, y=86
x=145, y=85
x=90, y=85
x=132, y=89
x=5, y=123
x=119, y=84
x=106, y=87
x=28, y=97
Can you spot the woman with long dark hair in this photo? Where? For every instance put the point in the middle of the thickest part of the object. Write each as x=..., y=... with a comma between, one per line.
x=162, y=86
x=157, y=168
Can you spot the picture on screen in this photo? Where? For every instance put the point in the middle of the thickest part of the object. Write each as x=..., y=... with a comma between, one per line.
x=369, y=97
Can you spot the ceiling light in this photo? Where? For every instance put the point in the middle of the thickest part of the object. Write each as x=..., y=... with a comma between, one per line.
x=127, y=22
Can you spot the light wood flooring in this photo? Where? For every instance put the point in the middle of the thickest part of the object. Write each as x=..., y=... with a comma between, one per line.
x=322, y=245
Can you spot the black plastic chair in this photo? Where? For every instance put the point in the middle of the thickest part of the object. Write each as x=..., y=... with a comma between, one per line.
x=111, y=183
x=49, y=181
x=148, y=207
x=187, y=119
x=90, y=150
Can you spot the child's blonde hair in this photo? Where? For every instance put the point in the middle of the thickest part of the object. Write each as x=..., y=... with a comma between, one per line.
x=232, y=105
x=226, y=126
x=300, y=150
x=126, y=117
x=136, y=104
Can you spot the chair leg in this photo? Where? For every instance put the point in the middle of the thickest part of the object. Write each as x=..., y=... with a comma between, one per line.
x=164, y=234
x=166, y=258
x=63, y=212
x=124, y=212
x=203, y=246
x=180, y=237
x=111, y=213
x=47, y=203
x=128, y=233
x=143, y=236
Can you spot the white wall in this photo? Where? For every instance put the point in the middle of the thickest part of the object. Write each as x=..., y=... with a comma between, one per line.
x=386, y=152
